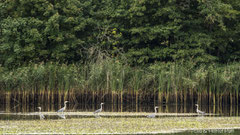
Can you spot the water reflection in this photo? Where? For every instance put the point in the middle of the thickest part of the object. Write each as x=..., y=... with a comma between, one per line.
x=16, y=110
x=61, y=115
x=225, y=110
x=17, y=101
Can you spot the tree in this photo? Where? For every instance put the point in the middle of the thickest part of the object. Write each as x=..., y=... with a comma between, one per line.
x=36, y=31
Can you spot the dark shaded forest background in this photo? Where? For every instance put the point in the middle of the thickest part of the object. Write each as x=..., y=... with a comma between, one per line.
x=175, y=46
x=145, y=31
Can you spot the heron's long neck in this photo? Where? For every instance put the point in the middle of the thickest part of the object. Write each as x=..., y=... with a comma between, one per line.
x=65, y=105
x=101, y=107
x=155, y=110
x=197, y=108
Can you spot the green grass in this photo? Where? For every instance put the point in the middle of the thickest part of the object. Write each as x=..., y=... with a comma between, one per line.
x=120, y=125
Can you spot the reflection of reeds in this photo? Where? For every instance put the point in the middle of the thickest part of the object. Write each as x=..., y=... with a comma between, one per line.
x=170, y=82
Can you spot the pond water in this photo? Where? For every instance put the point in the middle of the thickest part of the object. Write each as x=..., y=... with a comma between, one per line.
x=16, y=110
x=30, y=113
x=13, y=111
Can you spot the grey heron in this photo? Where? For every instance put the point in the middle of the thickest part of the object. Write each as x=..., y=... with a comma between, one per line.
x=64, y=108
x=40, y=114
x=99, y=110
x=154, y=114
x=198, y=111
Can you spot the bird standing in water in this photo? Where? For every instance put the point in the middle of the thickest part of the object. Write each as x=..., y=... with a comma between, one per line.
x=154, y=114
x=99, y=110
x=40, y=114
x=64, y=108
x=198, y=111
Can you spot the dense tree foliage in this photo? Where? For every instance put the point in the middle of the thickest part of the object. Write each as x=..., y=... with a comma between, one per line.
x=144, y=31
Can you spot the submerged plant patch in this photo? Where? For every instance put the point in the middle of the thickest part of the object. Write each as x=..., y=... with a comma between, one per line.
x=118, y=125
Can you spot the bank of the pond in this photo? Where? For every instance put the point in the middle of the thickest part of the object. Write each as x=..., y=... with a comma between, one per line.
x=123, y=125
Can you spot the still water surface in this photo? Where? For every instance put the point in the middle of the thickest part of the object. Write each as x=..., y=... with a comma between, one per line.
x=15, y=111
x=11, y=111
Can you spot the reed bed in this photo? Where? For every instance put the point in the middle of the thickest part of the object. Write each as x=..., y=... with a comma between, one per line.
x=113, y=81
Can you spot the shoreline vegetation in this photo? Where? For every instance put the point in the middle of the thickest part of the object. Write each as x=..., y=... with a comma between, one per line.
x=109, y=80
